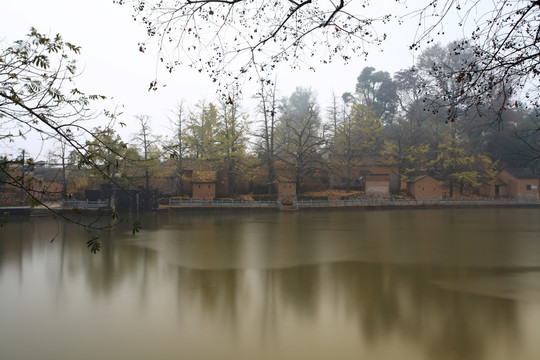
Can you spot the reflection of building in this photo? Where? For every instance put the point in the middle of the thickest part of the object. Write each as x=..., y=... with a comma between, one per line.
x=514, y=183
x=425, y=187
x=204, y=185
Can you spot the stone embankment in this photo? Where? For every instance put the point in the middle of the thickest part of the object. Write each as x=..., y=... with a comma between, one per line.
x=182, y=204
x=404, y=203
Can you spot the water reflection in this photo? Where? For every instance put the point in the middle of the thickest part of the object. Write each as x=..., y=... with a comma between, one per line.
x=378, y=285
x=372, y=302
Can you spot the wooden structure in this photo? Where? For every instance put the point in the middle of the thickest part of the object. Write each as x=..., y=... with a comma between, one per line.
x=425, y=187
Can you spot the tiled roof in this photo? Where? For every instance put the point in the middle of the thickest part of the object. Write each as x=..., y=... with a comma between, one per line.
x=522, y=173
x=204, y=176
x=418, y=178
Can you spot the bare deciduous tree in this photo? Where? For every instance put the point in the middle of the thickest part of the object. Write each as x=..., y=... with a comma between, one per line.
x=231, y=38
x=266, y=145
x=300, y=134
x=145, y=138
x=176, y=147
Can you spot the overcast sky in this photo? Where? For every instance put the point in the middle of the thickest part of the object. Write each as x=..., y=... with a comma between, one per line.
x=113, y=66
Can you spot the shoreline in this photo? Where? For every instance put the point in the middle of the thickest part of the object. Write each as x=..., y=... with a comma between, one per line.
x=329, y=205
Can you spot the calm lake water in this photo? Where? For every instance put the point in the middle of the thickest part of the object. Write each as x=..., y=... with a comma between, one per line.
x=384, y=284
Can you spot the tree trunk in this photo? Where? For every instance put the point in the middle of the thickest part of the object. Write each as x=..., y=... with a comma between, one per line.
x=271, y=177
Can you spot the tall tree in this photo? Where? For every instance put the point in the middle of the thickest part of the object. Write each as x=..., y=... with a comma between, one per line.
x=300, y=134
x=266, y=145
x=60, y=156
x=107, y=154
x=177, y=146
x=334, y=112
x=504, y=39
x=377, y=90
x=518, y=144
x=404, y=147
x=359, y=135
x=232, y=139
x=147, y=141
x=445, y=90
x=202, y=127
x=456, y=167
x=410, y=98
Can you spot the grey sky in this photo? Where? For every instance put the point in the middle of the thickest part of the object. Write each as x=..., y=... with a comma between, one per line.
x=113, y=66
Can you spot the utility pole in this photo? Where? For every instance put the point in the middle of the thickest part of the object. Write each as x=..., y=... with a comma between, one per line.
x=22, y=175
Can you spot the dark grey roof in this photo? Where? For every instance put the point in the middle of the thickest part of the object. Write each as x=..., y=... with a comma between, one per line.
x=418, y=178
x=522, y=173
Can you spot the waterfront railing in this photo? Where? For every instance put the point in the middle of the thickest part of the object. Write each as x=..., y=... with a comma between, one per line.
x=225, y=203
x=86, y=204
x=411, y=202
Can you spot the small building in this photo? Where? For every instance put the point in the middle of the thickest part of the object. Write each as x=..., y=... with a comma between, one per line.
x=377, y=185
x=203, y=185
x=498, y=189
x=286, y=192
x=125, y=200
x=425, y=187
x=520, y=184
x=352, y=175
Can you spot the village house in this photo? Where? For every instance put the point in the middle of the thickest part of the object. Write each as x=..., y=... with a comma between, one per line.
x=425, y=187
x=42, y=183
x=48, y=183
x=362, y=167
x=203, y=184
x=498, y=189
x=175, y=178
x=515, y=184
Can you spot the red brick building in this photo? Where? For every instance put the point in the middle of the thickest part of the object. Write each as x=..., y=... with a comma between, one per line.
x=425, y=187
x=203, y=184
x=520, y=184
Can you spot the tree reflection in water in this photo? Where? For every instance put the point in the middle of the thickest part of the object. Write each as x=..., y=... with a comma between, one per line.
x=277, y=286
